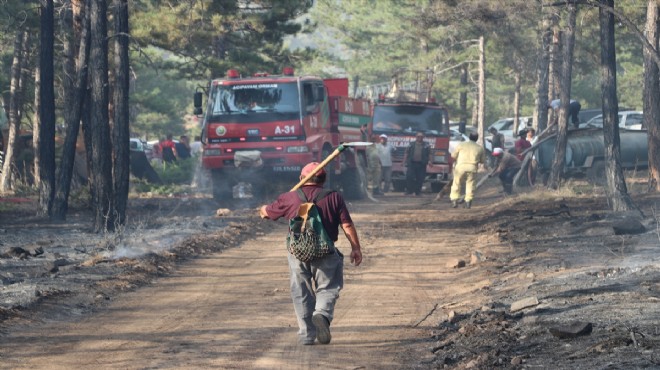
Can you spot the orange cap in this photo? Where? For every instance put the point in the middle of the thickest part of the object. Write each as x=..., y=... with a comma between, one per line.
x=309, y=168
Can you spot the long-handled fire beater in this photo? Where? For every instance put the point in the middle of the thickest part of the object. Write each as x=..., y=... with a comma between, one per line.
x=332, y=156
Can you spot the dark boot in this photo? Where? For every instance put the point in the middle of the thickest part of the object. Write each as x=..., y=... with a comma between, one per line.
x=468, y=204
x=454, y=203
x=508, y=188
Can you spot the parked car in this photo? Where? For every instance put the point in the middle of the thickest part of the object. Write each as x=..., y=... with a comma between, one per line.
x=630, y=120
x=468, y=128
x=137, y=145
x=505, y=126
x=509, y=143
x=586, y=114
x=455, y=137
x=140, y=166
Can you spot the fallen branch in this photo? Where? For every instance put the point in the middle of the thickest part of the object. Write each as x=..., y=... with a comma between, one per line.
x=427, y=316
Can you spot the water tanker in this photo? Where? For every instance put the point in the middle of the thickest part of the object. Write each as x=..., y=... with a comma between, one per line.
x=585, y=152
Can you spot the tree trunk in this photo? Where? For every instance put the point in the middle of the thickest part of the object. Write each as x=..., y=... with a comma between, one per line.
x=101, y=171
x=27, y=170
x=47, y=109
x=6, y=179
x=554, y=68
x=542, y=74
x=73, y=118
x=516, y=102
x=564, y=96
x=555, y=57
x=121, y=133
x=652, y=96
x=36, y=129
x=464, y=93
x=482, y=91
x=616, y=184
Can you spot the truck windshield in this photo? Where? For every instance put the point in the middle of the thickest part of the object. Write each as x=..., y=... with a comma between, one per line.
x=254, y=102
x=410, y=119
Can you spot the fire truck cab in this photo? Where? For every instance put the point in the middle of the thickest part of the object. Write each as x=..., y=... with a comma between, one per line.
x=262, y=129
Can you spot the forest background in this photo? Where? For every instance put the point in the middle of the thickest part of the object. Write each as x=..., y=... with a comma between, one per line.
x=161, y=52
x=178, y=46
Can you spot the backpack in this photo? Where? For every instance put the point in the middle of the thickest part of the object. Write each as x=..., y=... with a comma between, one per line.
x=307, y=239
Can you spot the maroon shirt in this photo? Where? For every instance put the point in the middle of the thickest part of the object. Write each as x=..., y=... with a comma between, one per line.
x=521, y=145
x=332, y=208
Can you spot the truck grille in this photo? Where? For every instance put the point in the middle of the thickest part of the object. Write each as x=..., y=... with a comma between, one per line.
x=398, y=154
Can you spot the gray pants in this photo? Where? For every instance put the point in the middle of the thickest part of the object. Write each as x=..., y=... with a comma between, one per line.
x=387, y=177
x=327, y=276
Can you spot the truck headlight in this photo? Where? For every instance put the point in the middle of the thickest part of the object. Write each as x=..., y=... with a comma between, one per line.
x=209, y=152
x=297, y=149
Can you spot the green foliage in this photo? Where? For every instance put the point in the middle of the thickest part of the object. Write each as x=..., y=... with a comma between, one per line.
x=212, y=36
x=179, y=172
x=176, y=178
x=160, y=99
x=369, y=39
x=184, y=43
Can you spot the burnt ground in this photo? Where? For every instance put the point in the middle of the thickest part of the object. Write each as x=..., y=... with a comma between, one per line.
x=561, y=256
x=574, y=263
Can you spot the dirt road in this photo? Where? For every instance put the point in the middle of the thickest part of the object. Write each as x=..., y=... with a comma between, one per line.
x=233, y=310
x=406, y=307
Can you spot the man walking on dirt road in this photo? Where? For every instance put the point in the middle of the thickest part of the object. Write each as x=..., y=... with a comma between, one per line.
x=467, y=157
x=315, y=285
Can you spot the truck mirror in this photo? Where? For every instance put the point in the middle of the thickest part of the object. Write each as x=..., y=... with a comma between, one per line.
x=320, y=94
x=198, y=100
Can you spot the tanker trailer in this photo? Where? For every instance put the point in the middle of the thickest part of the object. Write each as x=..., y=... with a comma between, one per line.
x=585, y=153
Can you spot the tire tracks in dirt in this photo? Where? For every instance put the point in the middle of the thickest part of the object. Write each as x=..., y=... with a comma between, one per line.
x=232, y=309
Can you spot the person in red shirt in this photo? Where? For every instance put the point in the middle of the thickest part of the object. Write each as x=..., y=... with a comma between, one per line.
x=521, y=144
x=315, y=285
x=168, y=149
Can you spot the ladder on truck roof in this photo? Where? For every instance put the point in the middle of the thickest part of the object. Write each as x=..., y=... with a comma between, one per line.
x=402, y=87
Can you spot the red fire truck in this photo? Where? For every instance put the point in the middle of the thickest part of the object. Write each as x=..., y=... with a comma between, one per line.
x=400, y=119
x=262, y=129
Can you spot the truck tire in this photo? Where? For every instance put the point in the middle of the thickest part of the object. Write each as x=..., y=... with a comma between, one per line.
x=354, y=181
x=399, y=186
x=330, y=180
x=596, y=173
x=221, y=186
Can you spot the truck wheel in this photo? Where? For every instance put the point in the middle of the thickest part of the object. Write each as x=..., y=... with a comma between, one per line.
x=596, y=173
x=330, y=181
x=354, y=181
x=399, y=186
x=221, y=186
x=351, y=184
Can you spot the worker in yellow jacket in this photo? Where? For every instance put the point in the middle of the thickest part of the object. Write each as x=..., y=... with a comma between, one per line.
x=467, y=157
